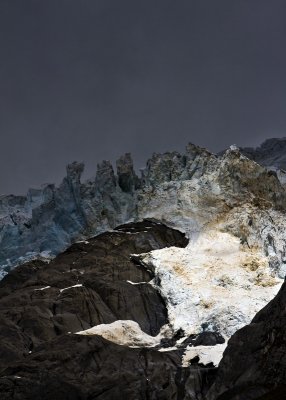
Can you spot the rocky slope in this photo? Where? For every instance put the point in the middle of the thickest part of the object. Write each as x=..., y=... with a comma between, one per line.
x=140, y=286
x=90, y=326
x=89, y=284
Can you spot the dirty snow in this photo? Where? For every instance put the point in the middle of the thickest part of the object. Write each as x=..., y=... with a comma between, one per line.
x=126, y=333
x=213, y=284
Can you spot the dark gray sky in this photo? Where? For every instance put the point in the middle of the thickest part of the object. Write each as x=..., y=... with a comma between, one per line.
x=91, y=79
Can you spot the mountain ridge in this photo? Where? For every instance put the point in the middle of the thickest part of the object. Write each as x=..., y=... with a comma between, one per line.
x=48, y=220
x=164, y=271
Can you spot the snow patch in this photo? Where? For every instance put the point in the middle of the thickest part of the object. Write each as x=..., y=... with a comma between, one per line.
x=214, y=284
x=126, y=333
x=70, y=287
x=44, y=288
x=206, y=354
x=168, y=349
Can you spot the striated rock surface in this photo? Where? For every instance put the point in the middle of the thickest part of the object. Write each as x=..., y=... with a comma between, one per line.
x=89, y=284
x=89, y=325
x=77, y=367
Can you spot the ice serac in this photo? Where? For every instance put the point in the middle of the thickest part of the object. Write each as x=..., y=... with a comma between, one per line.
x=105, y=178
x=195, y=192
x=47, y=220
x=127, y=179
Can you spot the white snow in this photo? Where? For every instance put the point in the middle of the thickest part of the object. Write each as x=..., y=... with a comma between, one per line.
x=129, y=233
x=215, y=281
x=70, y=287
x=136, y=283
x=44, y=288
x=214, y=284
x=163, y=349
x=206, y=354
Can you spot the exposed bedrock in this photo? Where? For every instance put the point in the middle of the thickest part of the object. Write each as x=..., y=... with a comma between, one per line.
x=91, y=283
x=85, y=368
x=90, y=326
x=48, y=310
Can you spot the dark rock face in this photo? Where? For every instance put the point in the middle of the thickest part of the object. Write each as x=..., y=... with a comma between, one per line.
x=40, y=357
x=84, y=368
x=102, y=266
x=205, y=339
x=75, y=367
x=254, y=363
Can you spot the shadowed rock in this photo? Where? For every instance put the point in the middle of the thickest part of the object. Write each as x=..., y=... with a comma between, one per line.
x=254, y=363
x=90, y=283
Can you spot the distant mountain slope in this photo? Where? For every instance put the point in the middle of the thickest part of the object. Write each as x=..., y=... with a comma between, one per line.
x=271, y=153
